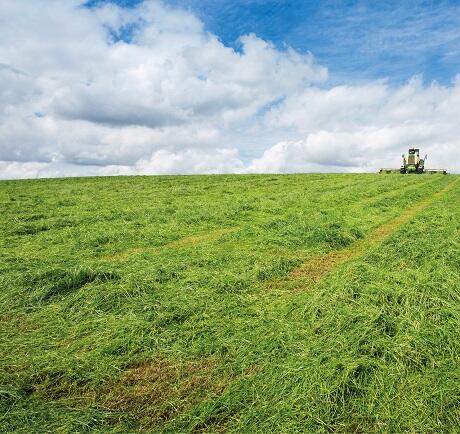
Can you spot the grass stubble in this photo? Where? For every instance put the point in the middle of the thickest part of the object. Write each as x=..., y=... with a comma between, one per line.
x=287, y=303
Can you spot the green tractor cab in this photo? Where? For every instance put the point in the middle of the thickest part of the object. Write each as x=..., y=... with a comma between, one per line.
x=413, y=164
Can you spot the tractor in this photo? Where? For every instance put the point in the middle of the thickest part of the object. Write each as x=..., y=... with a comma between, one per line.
x=413, y=164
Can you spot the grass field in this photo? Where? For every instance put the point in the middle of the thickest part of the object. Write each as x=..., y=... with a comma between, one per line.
x=253, y=304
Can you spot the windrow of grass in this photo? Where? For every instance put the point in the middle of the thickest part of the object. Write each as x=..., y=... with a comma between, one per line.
x=167, y=304
x=372, y=348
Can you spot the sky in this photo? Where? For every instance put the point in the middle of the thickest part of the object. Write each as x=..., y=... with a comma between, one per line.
x=217, y=86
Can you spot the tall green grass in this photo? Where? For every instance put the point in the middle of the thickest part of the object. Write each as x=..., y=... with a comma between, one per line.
x=168, y=304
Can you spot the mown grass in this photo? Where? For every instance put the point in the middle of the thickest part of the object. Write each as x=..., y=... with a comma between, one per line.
x=176, y=304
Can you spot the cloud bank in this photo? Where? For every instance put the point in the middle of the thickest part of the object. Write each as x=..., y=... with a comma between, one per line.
x=147, y=90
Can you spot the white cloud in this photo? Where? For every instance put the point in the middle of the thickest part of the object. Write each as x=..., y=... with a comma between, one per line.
x=77, y=97
x=367, y=126
x=192, y=161
x=174, y=99
x=189, y=161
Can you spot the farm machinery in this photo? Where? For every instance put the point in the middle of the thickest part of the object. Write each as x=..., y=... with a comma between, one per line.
x=413, y=164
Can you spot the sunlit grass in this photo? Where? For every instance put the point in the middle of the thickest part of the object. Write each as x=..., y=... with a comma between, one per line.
x=175, y=304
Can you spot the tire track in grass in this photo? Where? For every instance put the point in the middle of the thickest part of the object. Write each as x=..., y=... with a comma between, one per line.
x=199, y=238
x=319, y=267
x=188, y=241
x=212, y=235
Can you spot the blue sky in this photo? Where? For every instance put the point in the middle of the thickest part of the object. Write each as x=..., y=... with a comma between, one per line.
x=126, y=87
x=357, y=40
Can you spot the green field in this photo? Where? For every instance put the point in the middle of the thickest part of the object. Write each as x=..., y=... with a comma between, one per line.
x=247, y=304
